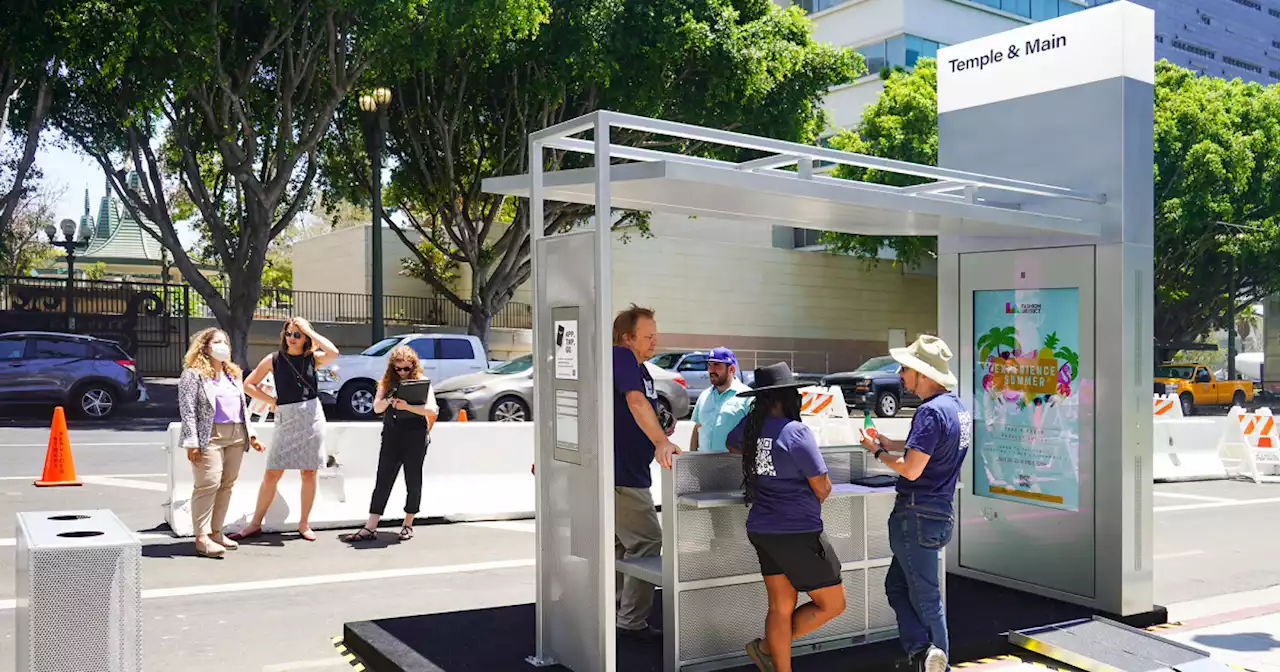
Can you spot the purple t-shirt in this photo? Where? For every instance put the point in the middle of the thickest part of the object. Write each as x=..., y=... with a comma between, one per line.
x=227, y=401
x=632, y=450
x=942, y=428
x=787, y=456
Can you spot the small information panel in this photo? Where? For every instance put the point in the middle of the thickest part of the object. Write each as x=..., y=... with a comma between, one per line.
x=566, y=349
x=1026, y=396
x=566, y=341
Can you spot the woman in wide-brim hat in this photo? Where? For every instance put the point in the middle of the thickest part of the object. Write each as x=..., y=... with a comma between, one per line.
x=786, y=482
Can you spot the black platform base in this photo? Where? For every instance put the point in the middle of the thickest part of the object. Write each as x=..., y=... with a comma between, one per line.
x=498, y=640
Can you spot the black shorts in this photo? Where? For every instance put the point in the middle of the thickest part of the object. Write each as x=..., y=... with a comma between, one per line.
x=806, y=558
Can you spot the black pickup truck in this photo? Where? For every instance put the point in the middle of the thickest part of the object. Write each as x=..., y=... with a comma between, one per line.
x=875, y=385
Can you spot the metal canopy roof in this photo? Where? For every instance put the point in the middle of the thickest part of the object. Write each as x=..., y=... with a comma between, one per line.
x=958, y=203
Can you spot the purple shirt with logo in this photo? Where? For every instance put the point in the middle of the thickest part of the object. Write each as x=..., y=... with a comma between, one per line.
x=941, y=428
x=632, y=449
x=787, y=456
x=227, y=401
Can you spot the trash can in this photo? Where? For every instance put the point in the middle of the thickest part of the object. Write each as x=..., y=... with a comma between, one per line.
x=79, y=599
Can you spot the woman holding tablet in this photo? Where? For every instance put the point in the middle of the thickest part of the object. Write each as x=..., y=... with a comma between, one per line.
x=408, y=407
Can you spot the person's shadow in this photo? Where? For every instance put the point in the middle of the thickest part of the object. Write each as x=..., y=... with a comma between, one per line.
x=1240, y=641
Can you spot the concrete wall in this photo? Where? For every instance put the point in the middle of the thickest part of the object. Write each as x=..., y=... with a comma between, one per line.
x=820, y=311
x=339, y=261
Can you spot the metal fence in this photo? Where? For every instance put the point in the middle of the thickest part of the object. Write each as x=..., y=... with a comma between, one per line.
x=340, y=308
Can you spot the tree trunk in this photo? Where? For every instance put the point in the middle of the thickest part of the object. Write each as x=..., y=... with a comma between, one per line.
x=478, y=325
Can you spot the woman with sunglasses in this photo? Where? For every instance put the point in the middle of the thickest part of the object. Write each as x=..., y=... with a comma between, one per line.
x=298, y=441
x=405, y=436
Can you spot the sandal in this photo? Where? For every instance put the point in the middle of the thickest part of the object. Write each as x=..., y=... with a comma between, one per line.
x=242, y=534
x=363, y=534
x=307, y=534
x=406, y=533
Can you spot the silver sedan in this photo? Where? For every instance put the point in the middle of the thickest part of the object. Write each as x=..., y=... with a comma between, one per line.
x=505, y=393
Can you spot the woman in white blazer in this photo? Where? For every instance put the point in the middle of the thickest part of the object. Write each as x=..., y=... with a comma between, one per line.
x=215, y=433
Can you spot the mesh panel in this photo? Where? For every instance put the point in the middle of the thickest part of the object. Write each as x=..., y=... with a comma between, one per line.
x=713, y=543
x=839, y=466
x=843, y=522
x=711, y=473
x=878, y=510
x=879, y=613
x=84, y=609
x=718, y=621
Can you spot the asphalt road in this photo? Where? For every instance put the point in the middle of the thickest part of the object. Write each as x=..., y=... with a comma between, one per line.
x=275, y=604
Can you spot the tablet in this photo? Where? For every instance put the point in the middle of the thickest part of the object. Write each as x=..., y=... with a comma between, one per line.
x=413, y=391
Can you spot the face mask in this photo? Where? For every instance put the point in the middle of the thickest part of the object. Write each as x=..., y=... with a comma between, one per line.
x=220, y=351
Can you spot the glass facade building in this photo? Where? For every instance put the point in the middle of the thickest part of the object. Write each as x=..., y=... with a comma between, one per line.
x=1219, y=38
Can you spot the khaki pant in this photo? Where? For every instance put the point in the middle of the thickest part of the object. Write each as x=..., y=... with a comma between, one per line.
x=637, y=534
x=216, y=469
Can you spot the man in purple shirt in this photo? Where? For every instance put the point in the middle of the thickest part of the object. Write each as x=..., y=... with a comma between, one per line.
x=638, y=438
x=928, y=466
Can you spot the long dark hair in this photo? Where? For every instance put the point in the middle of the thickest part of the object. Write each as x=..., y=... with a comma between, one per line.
x=789, y=401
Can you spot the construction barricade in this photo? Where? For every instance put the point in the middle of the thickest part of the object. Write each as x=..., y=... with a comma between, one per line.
x=1251, y=447
x=473, y=471
x=1166, y=406
x=823, y=410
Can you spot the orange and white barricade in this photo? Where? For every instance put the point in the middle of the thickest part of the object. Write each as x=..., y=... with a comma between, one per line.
x=824, y=410
x=1251, y=448
x=1166, y=406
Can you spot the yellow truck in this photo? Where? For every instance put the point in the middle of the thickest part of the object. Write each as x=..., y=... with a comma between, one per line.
x=1195, y=385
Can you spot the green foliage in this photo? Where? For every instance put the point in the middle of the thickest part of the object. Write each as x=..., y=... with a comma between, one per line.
x=477, y=77
x=999, y=341
x=1217, y=159
x=95, y=271
x=902, y=124
x=437, y=265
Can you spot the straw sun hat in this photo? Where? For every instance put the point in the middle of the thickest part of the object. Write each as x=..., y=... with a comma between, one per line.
x=930, y=356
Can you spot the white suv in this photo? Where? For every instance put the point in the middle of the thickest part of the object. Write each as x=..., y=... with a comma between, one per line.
x=352, y=380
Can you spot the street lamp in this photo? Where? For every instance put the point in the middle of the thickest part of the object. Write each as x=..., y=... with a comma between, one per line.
x=70, y=243
x=375, y=106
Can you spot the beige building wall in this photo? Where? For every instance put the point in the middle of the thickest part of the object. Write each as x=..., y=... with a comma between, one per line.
x=340, y=261
x=815, y=310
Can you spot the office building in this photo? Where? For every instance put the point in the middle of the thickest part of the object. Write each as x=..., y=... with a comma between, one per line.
x=1219, y=38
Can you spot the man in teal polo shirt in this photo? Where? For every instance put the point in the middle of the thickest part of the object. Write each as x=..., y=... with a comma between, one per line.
x=719, y=409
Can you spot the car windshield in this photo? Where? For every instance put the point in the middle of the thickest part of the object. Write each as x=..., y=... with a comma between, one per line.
x=381, y=347
x=1180, y=372
x=882, y=364
x=517, y=365
x=666, y=360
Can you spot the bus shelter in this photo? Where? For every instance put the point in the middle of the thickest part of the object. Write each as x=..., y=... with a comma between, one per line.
x=1042, y=205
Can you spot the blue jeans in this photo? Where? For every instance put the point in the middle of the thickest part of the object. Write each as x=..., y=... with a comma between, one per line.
x=919, y=528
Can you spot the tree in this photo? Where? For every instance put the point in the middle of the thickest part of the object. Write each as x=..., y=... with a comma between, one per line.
x=225, y=104
x=479, y=77
x=21, y=243
x=1217, y=188
x=902, y=124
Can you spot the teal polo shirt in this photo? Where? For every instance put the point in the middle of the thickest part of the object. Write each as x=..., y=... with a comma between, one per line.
x=717, y=413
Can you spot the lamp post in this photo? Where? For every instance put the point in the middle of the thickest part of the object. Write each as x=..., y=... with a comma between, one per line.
x=375, y=106
x=70, y=243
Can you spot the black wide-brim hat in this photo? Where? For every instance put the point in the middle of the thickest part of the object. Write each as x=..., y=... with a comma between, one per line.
x=774, y=377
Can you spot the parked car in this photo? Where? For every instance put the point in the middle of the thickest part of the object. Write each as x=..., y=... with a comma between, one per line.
x=351, y=381
x=876, y=385
x=1195, y=386
x=505, y=393
x=92, y=377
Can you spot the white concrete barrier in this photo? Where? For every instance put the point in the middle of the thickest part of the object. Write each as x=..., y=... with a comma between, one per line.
x=1251, y=446
x=474, y=471
x=1186, y=449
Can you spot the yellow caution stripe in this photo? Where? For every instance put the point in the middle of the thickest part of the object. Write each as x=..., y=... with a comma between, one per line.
x=347, y=655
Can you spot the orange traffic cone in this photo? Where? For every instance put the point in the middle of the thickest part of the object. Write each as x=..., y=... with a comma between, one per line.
x=462, y=415
x=59, y=469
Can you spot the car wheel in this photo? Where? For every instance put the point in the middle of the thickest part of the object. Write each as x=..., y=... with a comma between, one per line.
x=665, y=417
x=95, y=401
x=1188, y=403
x=886, y=405
x=357, y=399
x=509, y=409
x=1237, y=399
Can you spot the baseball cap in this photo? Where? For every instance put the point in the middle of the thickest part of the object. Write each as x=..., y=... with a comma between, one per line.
x=724, y=356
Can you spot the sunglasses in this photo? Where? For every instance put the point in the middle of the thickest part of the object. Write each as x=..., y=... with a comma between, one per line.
x=404, y=369
x=293, y=334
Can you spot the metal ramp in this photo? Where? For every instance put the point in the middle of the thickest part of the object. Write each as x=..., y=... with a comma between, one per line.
x=1101, y=645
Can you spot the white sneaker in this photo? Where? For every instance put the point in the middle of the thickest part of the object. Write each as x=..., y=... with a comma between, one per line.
x=935, y=660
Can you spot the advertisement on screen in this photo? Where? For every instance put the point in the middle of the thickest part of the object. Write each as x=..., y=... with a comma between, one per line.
x=1026, y=396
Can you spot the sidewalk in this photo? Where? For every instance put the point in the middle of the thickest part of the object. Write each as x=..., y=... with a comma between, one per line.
x=1241, y=630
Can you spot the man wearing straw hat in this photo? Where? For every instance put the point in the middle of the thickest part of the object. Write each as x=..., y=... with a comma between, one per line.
x=928, y=466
